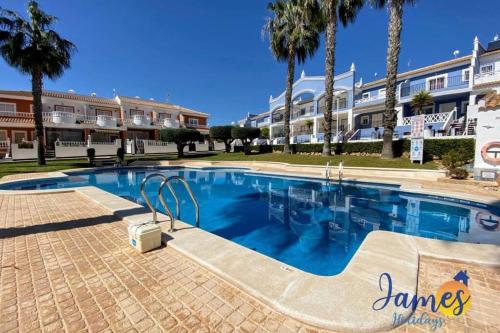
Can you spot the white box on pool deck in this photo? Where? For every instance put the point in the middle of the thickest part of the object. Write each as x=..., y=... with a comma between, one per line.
x=144, y=236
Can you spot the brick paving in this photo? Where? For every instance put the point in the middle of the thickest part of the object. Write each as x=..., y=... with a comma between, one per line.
x=484, y=285
x=66, y=266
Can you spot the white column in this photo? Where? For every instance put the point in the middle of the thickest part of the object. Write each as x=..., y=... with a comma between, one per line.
x=350, y=120
x=399, y=110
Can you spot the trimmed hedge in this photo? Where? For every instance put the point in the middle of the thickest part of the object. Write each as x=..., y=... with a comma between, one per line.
x=432, y=147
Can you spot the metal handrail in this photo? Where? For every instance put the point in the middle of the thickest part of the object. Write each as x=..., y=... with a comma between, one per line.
x=166, y=182
x=162, y=199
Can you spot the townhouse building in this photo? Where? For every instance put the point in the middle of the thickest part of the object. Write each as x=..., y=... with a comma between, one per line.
x=71, y=117
x=456, y=87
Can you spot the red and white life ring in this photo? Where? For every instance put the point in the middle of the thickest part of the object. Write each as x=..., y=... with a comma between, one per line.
x=486, y=151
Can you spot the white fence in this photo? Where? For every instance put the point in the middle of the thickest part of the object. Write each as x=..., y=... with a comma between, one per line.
x=77, y=149
x=159, y=147
x=24, y=153
x=219, y=146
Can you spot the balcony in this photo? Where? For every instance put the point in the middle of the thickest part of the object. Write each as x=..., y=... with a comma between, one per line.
x=369, y=100
x=168, y=123
x=277, y=118
x=106, y=121
x=138, y=120
x=60, y=117
x=488, y=77
x=441, y=83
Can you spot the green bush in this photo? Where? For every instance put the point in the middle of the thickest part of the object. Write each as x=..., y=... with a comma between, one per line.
x=246, y=135
x=454, y=161
x=432, y=147
x=222, y=133
x=181, y=137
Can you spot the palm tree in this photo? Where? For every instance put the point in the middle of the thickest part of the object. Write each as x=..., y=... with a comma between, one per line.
x=420, y=101
x=294, y=34
x=395, y=8
x=34, y=48
x=346, y=10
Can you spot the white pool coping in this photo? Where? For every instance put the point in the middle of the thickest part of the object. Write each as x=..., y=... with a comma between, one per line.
x=341, y=302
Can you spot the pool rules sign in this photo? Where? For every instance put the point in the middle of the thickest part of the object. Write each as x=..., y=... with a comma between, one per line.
x=417, y=138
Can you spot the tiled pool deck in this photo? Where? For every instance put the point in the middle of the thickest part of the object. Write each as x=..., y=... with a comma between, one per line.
x=69, y=267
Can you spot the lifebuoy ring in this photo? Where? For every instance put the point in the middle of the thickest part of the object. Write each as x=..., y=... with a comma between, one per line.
x=488, y=149
x=488, y=222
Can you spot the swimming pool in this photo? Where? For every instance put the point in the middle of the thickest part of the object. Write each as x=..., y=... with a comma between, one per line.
x=305, y=223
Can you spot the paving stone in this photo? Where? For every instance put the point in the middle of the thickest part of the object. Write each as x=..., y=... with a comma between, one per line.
x=78, y=273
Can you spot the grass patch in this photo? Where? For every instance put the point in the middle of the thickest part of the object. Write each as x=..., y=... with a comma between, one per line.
x=10, y=168
x=349, y=160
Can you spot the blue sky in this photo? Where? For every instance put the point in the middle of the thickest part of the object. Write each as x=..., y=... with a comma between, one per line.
x=210, y=56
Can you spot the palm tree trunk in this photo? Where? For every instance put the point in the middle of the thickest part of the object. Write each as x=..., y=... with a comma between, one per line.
x=288, y=96
x=36, y=83
x=390, y=115
x=331, y=30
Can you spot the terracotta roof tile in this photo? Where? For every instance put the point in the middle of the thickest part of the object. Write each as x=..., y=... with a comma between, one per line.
x=83, y=98
x=155, y=104
x=20, y=93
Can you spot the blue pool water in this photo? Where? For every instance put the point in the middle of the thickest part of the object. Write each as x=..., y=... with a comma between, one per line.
x=305, y=223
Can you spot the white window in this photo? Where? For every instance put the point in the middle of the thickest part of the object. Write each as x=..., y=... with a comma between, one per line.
x=64, y=108
x=365, y=95
x=487, y=69
x=381, y=92
x=193, y=121
x=19, y=136
x=436, y=83
x=465, y=75
x=365, y=120
x=7, y=107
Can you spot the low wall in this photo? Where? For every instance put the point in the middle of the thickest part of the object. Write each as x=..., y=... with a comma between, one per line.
x=24, y=153
x=219, y=146
x=101, y=149
x=202, y=147
x=158, y=147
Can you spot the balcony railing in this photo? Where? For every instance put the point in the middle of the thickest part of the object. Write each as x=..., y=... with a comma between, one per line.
x=167, y=122
x=457, y=81
x=430, y=118
x=369, y=99
x=342, y=107
x=488, y=77
x=138, y=120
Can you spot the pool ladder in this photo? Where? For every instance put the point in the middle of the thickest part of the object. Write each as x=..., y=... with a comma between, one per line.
x=328, y=171
x=166, y=182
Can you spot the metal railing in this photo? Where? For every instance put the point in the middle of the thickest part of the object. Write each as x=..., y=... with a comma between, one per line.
x=486, y=77
x=456, y=81
x=369, y=99
x=166, y=182
x=162, y=200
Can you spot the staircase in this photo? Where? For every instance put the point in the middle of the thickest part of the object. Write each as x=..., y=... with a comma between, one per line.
x=50, y=153
x=471, y=126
